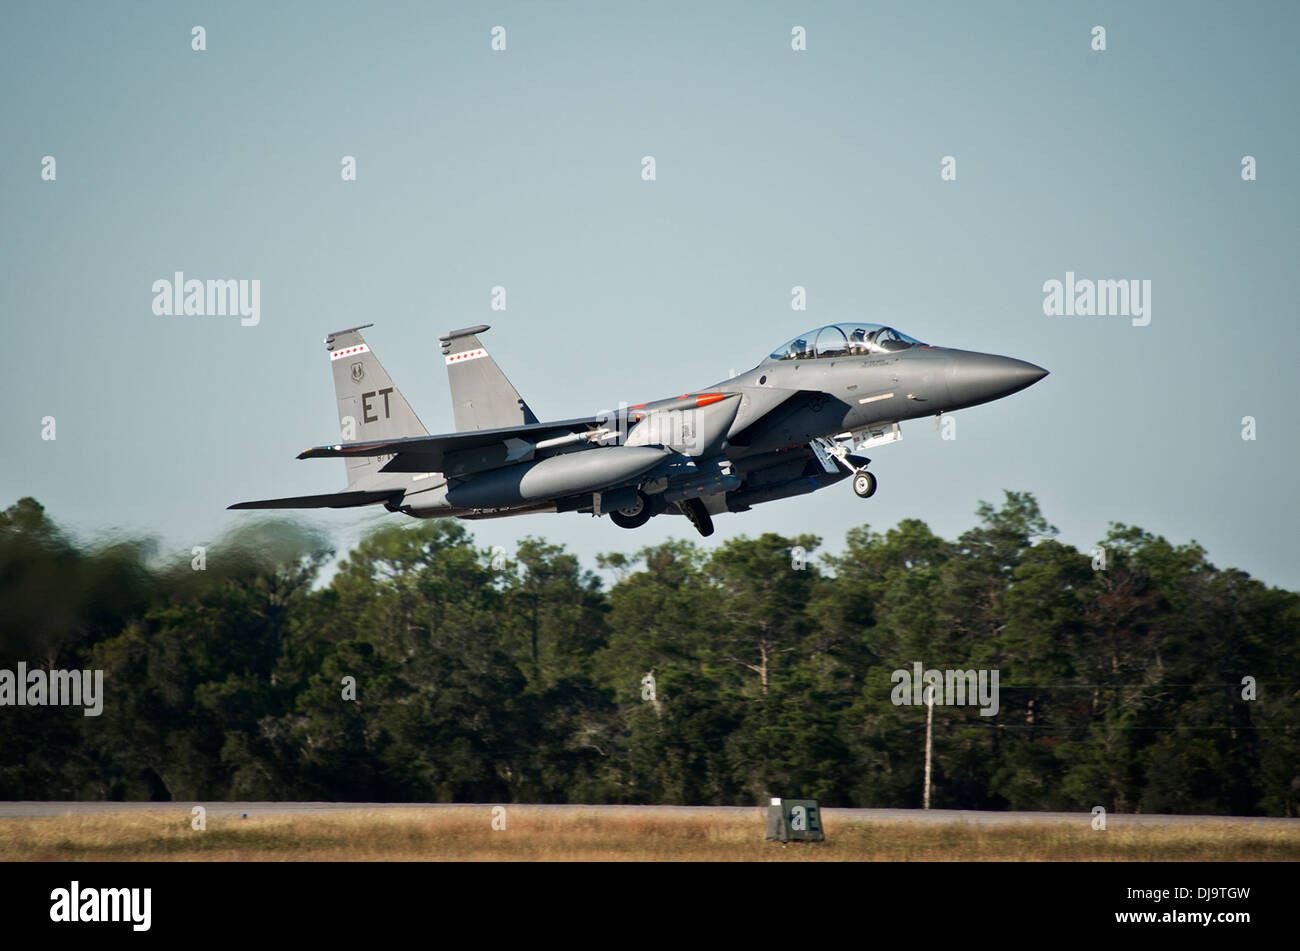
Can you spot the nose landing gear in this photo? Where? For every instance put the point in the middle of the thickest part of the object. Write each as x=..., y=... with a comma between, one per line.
x=836, y=456
x=864, y=484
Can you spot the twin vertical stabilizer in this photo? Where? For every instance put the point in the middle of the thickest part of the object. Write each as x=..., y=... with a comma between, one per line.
x=481, y=396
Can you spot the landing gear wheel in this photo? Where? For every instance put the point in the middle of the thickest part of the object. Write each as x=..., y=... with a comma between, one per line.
x=634, y=516
x=699, y=515
x=864, y=484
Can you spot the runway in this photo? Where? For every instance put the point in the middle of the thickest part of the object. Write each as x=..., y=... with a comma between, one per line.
x=32, y=810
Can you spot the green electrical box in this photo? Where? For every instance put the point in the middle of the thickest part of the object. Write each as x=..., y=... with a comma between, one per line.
x=794, y=820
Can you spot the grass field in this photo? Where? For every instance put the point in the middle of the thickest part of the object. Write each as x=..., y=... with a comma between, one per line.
x=466, y=834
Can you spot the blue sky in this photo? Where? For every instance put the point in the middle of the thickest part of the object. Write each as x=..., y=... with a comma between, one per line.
x=774, y=168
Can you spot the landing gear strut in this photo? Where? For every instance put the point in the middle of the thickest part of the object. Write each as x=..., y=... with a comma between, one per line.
x=835, y=456
x=694, y=510
x=864, y=484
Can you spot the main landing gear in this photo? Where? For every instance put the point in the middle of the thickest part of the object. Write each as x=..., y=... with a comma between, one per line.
x=634, y=516
x=694, y=510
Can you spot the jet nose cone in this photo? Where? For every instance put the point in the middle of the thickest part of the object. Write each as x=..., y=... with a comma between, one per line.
x=980, y=377
x=1028, y=373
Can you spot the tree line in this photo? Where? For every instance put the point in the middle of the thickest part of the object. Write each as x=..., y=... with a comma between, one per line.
x=1136, y=676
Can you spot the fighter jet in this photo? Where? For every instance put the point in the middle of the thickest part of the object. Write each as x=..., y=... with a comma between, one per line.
x=798, y=422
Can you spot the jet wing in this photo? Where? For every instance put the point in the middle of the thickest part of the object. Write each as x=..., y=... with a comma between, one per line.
x=476, y=450
x=332, y=500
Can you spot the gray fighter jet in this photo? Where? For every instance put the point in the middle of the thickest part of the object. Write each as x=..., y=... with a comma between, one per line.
x=797, y=422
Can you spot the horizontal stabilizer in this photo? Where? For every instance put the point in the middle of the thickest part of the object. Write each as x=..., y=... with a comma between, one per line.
x=331, y=500
x=432, y=449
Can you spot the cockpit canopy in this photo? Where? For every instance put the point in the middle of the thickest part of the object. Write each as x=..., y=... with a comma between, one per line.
x=844, y=340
